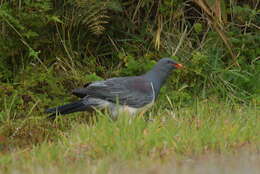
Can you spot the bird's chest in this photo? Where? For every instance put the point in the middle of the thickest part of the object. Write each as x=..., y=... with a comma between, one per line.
x=126, y=109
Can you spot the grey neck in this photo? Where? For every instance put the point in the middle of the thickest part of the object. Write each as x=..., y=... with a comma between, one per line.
x=157, y=76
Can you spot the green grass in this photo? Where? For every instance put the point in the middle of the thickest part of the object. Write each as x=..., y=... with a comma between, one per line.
x=98, y=145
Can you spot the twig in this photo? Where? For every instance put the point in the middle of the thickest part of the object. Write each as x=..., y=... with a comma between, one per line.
x=180, y=42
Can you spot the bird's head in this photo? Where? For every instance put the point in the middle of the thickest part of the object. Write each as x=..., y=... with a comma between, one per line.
x=159, y=73
x=168, y=64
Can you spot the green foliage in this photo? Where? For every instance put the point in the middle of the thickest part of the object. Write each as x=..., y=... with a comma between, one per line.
x=83, y=38
x=23, y=26
x=198, y=27
x=135, y=66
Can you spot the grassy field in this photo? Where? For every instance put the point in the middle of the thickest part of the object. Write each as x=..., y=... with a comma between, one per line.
x=204, y=137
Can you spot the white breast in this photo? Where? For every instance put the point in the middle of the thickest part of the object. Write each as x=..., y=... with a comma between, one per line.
x=123, y=109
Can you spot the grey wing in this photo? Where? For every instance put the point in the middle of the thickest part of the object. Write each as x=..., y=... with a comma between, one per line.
x=132, y=91
x=82, y=92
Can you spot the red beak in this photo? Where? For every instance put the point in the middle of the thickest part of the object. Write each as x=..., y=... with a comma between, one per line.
x=178, y=65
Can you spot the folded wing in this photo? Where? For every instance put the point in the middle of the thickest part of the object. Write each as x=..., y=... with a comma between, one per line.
x=131, y=91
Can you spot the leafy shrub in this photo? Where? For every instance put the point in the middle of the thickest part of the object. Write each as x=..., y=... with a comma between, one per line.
x=83, y=41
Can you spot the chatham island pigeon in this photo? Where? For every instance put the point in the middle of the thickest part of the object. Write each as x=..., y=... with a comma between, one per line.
x=131, y=95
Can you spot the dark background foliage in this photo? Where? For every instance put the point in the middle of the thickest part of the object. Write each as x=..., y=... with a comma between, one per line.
x=48, y=47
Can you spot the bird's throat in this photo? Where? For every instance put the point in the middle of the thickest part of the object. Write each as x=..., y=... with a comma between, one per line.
x=158, y=78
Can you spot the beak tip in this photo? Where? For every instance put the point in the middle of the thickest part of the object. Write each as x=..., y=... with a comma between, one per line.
x=178, y=66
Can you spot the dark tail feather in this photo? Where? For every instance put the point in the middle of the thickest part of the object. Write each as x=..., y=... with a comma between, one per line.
x=67, y=109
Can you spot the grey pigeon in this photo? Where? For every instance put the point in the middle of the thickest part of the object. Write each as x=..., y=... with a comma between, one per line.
x=132, y=94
